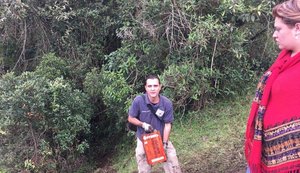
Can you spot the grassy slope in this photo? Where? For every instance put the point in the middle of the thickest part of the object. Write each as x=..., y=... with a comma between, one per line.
x=210, y=140
x=207, y=141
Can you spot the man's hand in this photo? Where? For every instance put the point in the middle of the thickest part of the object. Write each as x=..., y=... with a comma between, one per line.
x=147, y=127
x=165, y=146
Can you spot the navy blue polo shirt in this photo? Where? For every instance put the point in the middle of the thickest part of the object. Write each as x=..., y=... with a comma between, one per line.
x=140, y=110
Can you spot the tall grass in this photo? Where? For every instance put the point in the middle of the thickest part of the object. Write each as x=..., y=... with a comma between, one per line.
x=210, y=140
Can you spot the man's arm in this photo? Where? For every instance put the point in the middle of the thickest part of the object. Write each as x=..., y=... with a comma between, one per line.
x=167, y=131
x=134, y=121
x=147, y=127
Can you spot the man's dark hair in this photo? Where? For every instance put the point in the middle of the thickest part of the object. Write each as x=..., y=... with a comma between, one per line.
x=151, y=76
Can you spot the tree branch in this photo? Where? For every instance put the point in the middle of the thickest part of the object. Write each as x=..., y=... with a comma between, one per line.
x=22, y=55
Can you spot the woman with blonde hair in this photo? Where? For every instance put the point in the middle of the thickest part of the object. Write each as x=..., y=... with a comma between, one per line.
x=273, y=129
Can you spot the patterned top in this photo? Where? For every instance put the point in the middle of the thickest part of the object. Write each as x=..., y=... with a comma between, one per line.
x=272, y=143
x=281, y=132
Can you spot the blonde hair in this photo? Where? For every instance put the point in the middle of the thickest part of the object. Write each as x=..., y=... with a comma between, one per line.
x=289, y=11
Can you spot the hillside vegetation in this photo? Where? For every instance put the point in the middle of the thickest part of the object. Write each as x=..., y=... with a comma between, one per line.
x=207, y=141
x=69, y=70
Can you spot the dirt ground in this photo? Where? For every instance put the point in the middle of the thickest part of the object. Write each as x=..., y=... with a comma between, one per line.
x=109, y=169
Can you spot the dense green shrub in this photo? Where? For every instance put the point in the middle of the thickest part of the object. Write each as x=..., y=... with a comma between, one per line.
x=110, y=95
x=204, y=48
x=43, y=120
x=53, y=67
x=188, y=85
x=114, y=92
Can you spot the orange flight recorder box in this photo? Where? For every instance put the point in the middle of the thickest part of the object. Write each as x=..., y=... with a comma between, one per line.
x=154, y=148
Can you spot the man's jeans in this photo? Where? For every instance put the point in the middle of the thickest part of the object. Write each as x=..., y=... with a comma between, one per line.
x=170, y=166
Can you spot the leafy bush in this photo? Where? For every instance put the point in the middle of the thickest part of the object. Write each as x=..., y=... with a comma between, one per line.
x=42, y=120
x=110, y=95
x=113, y=90
x=52, y=67
x=189, y=87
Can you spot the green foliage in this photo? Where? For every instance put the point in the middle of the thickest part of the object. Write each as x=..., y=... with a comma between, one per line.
x=186, y=85
x=203, y=46
x=81, y=31
x=121, y=60
x=155, y=35
x=52, y=67
x=110, y=94
x=42, y=120
x=114, y=93
x=137, y=60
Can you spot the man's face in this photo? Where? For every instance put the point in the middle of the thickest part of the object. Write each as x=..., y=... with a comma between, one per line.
x=152, y=87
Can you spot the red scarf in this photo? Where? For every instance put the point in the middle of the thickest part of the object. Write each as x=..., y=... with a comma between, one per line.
x=254, y=130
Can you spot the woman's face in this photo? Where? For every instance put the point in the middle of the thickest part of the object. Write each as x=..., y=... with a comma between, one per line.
x=284, y=35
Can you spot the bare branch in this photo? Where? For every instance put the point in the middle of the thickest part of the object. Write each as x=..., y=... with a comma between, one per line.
x=177, y=27
x=22, y=55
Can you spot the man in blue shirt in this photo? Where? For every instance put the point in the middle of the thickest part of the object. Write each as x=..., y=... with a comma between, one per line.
x=140, y=115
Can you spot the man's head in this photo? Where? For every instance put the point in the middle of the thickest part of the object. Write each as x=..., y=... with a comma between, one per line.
x=153, y=87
